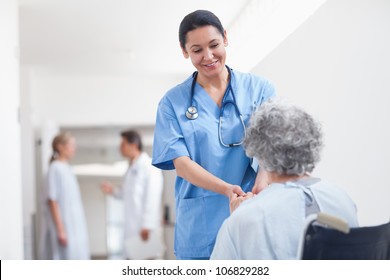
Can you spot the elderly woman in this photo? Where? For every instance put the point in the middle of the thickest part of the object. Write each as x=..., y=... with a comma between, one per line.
x=287, y=143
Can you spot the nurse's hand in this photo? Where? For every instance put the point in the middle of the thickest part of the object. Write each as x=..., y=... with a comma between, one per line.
x=234, y=189
x=236, y=200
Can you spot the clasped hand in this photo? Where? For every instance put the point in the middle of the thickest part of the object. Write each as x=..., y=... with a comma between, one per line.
x=236, y=200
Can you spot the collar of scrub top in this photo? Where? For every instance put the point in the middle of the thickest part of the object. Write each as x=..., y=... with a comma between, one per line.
x=192, y=111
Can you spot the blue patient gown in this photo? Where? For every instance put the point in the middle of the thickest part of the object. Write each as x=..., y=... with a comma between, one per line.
x=270, y=225
x=199, y=212
x=62, y=187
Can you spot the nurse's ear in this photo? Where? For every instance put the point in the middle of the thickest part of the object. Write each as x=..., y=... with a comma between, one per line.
x=185, y=53
x=225, y=39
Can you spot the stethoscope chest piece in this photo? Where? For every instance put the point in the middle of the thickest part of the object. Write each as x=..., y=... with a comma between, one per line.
x=192, y=113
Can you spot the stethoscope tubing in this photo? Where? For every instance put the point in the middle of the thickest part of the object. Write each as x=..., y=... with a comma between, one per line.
x=192, y=111
x=220, y=134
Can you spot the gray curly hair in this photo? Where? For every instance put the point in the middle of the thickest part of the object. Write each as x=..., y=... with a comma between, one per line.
x=284, y=139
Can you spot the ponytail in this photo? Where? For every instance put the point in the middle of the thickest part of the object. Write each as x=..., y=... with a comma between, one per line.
x=61, y=139
x=53, y=157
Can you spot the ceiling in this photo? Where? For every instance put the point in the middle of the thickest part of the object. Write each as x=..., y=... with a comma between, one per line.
x=74, y=52
x=110, y=37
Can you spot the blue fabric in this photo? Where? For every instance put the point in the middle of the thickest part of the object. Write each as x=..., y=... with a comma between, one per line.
x=63, y=188
x=199, y=213
x=270, y=225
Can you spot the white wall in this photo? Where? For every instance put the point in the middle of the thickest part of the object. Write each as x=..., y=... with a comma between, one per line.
x=97, y=100
x=28, y=168
x=94, y=202
x=11, y=232
x=337, y=66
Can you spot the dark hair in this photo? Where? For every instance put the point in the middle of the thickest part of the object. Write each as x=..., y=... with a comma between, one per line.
x=132, y=137
x=197, y=19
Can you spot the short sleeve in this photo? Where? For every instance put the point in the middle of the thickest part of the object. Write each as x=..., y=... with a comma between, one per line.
x=53, y=183
x=268, y=90
x=169, y=142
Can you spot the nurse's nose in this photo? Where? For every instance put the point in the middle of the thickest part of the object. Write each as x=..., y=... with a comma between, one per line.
x=208, y=54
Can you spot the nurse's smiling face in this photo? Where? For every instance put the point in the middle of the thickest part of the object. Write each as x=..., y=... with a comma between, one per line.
x=205, y=46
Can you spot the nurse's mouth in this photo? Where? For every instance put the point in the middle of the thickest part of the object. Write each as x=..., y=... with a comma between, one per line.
x=211, y=64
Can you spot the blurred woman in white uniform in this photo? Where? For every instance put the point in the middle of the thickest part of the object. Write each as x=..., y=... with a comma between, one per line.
x=67, y=236
x=141, y=192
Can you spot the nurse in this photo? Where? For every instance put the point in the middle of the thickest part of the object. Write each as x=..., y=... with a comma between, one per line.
x=199, y=131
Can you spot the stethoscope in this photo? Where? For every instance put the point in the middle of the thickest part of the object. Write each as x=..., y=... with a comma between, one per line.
x=192, y=112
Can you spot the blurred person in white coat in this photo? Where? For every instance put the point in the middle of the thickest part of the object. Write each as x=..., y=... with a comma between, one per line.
x=141, y=192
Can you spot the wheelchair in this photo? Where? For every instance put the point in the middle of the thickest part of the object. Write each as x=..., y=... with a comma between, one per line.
x=329, y=238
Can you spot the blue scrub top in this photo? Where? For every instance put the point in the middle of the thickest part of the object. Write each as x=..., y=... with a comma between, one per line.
x=199, y=212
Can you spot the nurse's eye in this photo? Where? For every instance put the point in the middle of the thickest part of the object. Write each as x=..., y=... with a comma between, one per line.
x=197, y=50
x=213, y=46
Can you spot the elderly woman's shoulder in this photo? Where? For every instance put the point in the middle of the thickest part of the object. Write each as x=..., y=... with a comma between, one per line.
x=329, y=186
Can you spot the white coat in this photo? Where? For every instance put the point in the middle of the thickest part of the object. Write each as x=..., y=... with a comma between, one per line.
x=141, y=192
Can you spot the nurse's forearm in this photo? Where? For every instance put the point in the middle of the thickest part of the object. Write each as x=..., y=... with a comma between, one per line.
x=198, y=176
